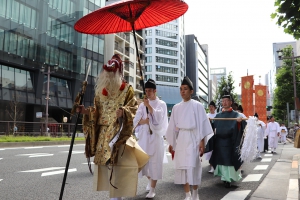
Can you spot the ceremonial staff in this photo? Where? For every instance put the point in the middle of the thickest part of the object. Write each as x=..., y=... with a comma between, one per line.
x=79, y=99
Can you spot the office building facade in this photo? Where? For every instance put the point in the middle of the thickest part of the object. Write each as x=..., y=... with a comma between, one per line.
x=197, y=67
x=36, y=34
x=165, y=59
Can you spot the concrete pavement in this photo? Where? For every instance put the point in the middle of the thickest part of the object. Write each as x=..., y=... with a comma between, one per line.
x=282, y=182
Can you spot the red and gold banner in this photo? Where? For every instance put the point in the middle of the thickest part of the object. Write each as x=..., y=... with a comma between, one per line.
x=261, y=102
x=247, y=95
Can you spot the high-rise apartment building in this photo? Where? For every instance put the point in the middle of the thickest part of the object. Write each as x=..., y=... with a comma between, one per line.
x=165, y=59
x=197, y=67
x=39, y=33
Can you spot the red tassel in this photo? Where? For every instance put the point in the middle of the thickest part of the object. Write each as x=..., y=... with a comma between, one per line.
x=173, y=154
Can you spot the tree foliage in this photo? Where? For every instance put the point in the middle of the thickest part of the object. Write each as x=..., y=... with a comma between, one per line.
x=284, y=92
x=14, y=110
x=225, y=86
x=288, y=16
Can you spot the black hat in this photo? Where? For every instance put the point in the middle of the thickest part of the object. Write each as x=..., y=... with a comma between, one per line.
x=212, y=103
x=256, y=115
x=150, y=84
x=188, y=82
x=240, y=108
x=227, y=96
x=196, y=98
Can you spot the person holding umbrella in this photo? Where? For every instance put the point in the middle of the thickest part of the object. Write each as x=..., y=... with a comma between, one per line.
x=152, y=127
x=114, y=103
x=186, y=133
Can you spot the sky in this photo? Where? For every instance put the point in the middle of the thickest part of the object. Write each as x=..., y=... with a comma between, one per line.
x=239, y=35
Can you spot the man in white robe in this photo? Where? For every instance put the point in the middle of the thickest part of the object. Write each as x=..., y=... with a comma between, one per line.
x=188, y=127
x=152, y=127
x=261, y=127
x=273, y=131
x=283, y=133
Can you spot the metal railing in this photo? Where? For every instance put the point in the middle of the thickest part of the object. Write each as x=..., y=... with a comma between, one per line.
x=37, y=128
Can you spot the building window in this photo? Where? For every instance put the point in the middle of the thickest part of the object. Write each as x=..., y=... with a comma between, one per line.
x=166, y=43
x=147, y=77
x=148, y=41
x=166, y=78
x=148, y=59
x=166, y=51
x=148, y=32
x=148, y=68
x=149, y=50
x=170, y=70
x=166, y=34
x=166, y=60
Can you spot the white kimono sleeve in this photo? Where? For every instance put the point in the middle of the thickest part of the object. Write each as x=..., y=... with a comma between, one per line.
x=158, y=120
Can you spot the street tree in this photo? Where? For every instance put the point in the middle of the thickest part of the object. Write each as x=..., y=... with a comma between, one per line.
x=284, y=92
x=288, y=16
x=14, y=111
x=225, y=87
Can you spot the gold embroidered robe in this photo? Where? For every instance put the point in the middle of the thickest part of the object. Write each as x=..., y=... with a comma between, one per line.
x=101, y=125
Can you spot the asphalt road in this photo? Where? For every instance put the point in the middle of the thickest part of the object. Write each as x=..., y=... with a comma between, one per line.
x=37, y=173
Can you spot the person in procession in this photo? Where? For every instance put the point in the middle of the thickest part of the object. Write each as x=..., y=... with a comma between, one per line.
x=273, y=133
x=114, y=103
x=152, y=127
x=241, y=111
x=266, y=138
x=188, y=127
x=261, y=127
x=212, y=113
x=225, y=144
x=283, y=133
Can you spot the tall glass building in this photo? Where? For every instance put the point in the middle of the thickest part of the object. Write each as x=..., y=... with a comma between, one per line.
x=39, y=33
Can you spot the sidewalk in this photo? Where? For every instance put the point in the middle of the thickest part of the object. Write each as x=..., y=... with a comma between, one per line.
x=282, y=181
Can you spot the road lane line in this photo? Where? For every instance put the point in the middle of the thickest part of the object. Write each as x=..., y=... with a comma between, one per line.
x=73, y=152
x=33, y=147
x=35, y=156
x=266, y=160
x=44, y=169
x=236, y=195
x=252, y=177
x=58, y=172
x=261, y=167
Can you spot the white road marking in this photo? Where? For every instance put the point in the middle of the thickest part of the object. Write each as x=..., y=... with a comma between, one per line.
x=2, y=149
x=236, y=195
x=34, y=155
x=87, y=163
x=268, y=155
x=44, y=169
x=1, y=179
x=168, y=154
x=261, y=167
x=73, y=152
x=266, y=160
x=58, y=172
x=33, y=147
x=63, y=146
x=252, y=177
x=1, y=158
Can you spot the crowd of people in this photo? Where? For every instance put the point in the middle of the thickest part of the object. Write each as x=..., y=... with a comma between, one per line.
x=190, y=133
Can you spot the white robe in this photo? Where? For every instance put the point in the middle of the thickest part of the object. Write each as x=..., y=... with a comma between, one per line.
x=188, y=125
x=153, y=144
x=272, y=131
x=283, y=133
x=261, y=126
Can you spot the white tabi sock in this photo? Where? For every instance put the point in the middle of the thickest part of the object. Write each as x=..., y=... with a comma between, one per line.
x=195, y=194
x=188, y=194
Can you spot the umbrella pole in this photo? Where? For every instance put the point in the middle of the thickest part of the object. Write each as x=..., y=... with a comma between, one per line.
x=139, y=61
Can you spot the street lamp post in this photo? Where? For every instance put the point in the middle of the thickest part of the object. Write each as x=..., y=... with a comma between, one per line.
x=280, y=57
x=55, y=66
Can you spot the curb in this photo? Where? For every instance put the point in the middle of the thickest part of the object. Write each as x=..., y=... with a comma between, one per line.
x=293, y=189
x=33, y=144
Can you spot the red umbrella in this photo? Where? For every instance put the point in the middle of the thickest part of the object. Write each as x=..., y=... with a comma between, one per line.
x=131, y=15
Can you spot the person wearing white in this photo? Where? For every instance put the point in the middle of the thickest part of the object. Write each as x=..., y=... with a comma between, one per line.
x=273, y=131
x=261, y=127
x=240, y=110
x=152, y=127
x=212, y=113
x=188, y=127
x=283, y=133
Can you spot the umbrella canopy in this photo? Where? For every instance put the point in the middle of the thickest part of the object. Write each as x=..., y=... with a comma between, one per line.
x=128, y=15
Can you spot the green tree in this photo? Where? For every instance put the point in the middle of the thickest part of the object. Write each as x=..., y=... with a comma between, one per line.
x=284, y=92
x=225, y=86
x=288, y=16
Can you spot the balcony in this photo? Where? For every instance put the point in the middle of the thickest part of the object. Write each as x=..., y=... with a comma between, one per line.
x=121, y=35
x=139, y=87
x=126, y=52
x=119, y=48
x=126, y=67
